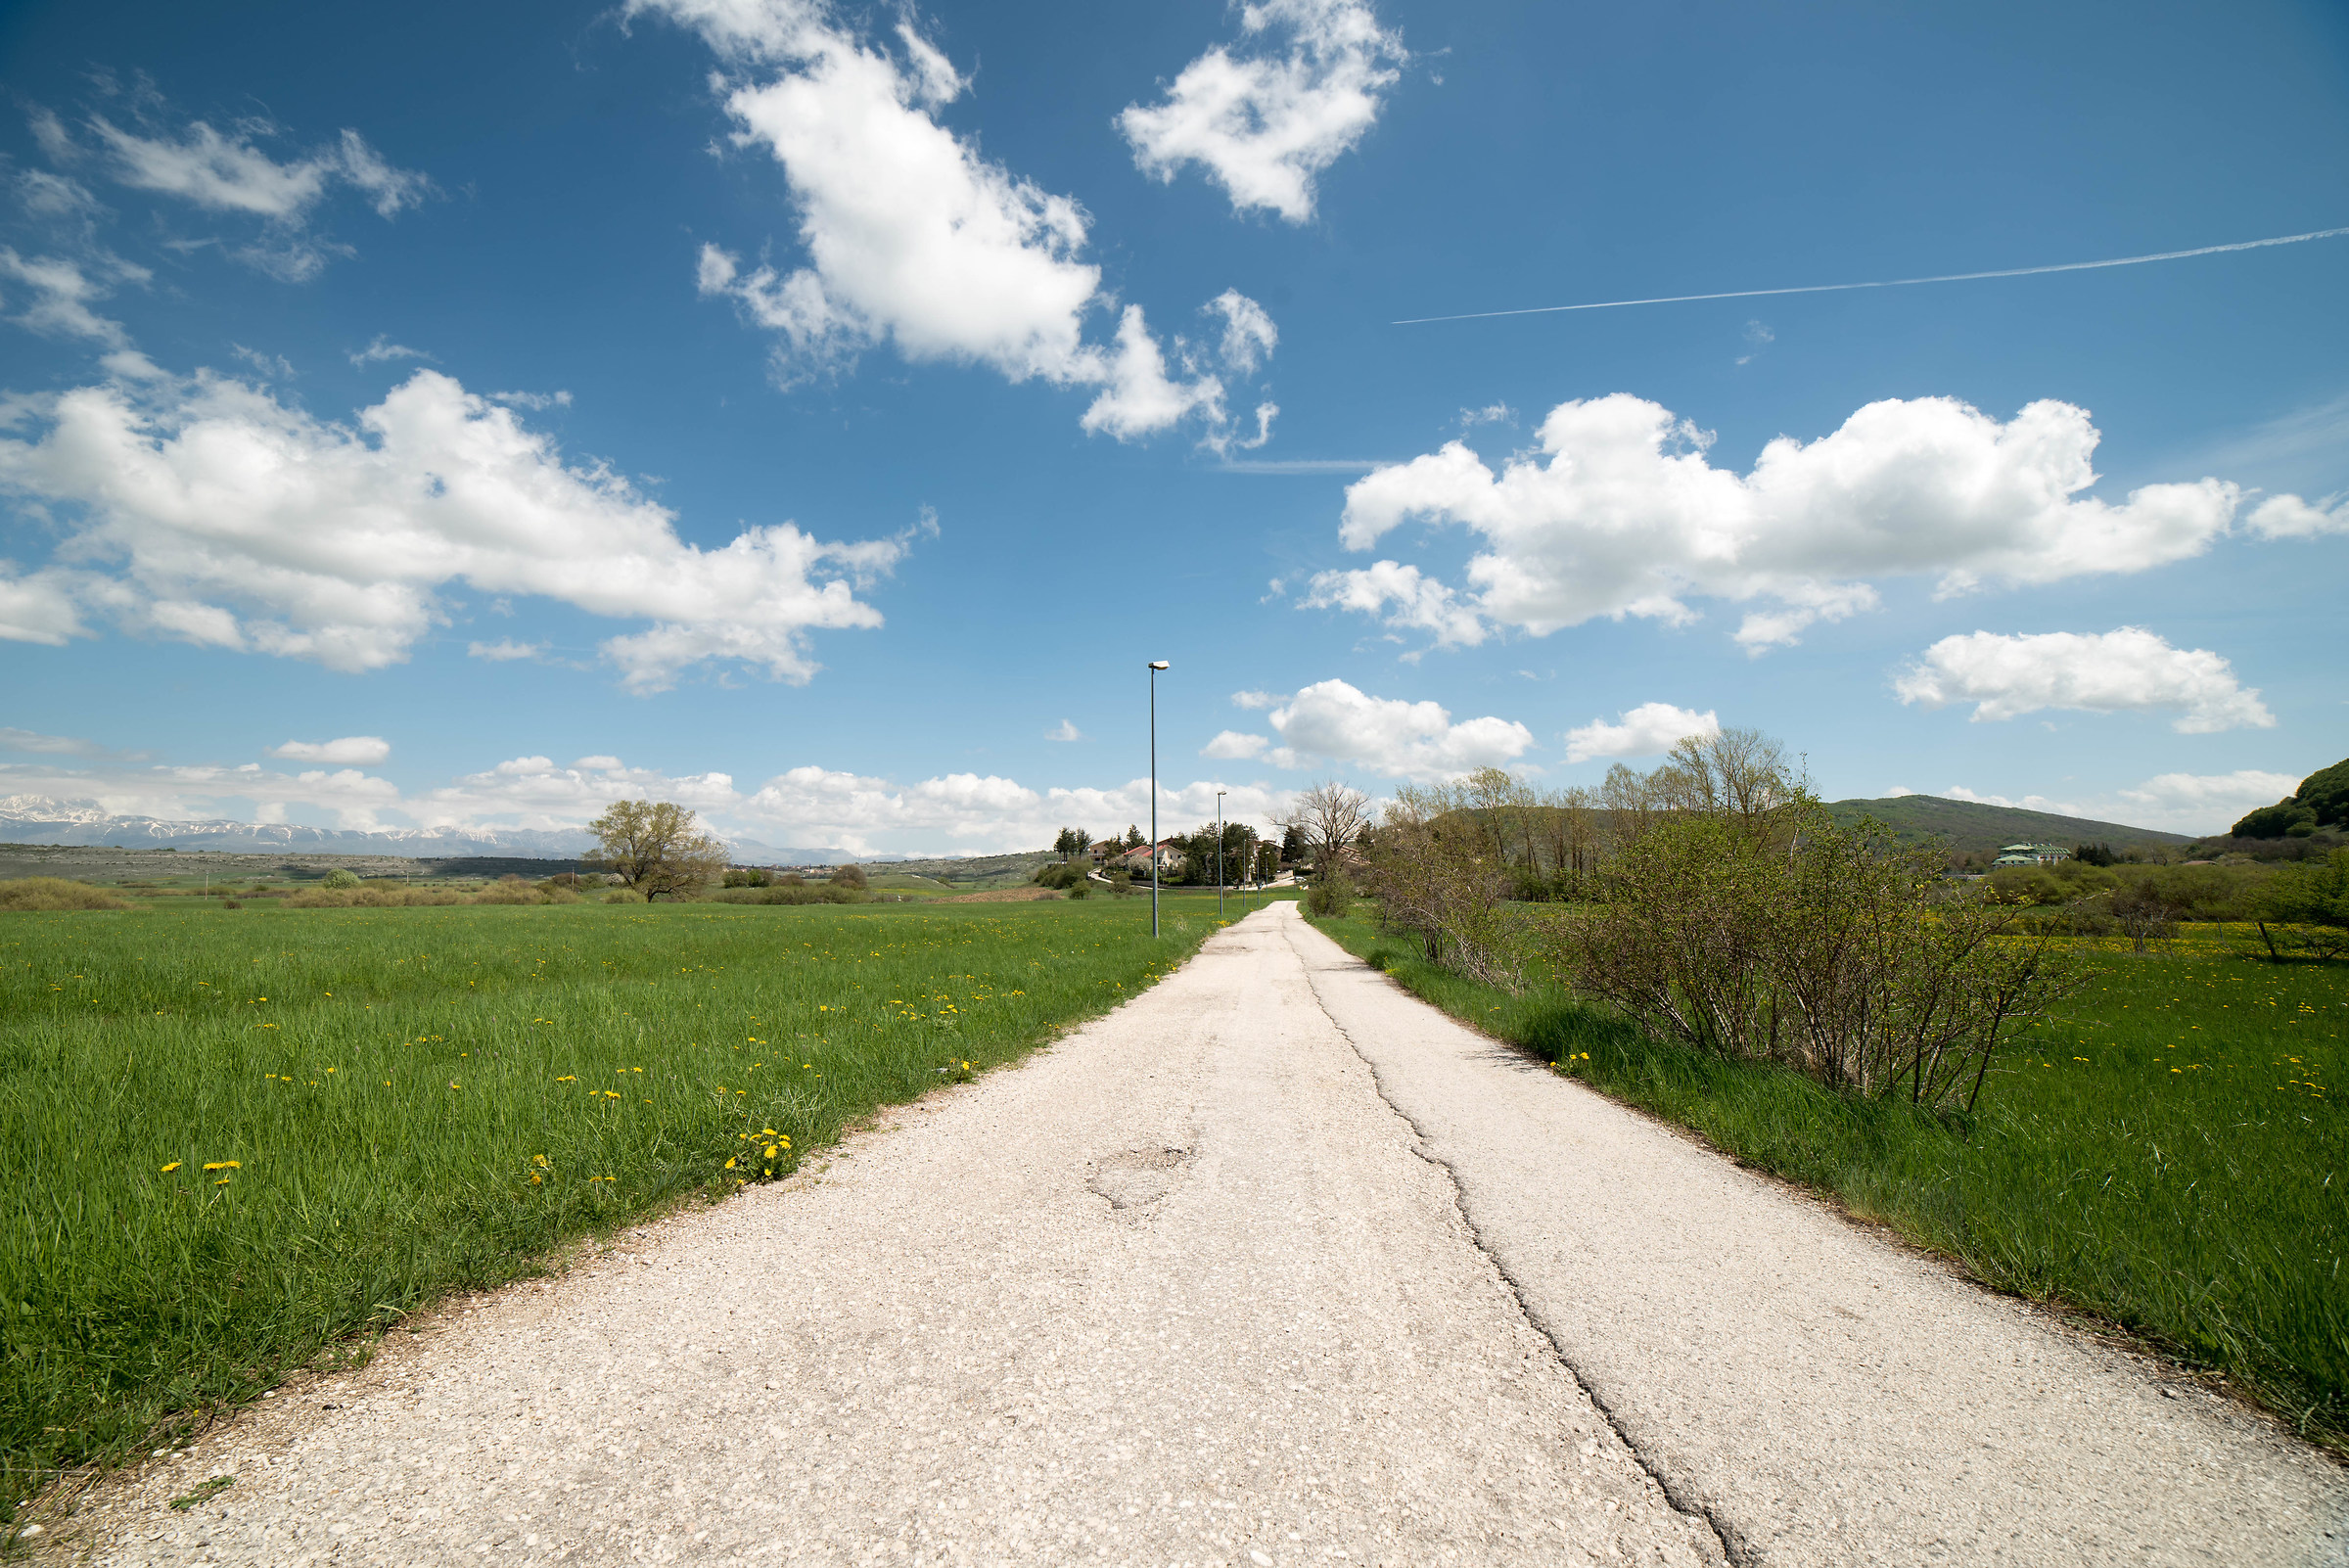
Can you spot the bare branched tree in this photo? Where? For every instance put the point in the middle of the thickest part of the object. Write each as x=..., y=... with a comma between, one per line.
x=1330, y=818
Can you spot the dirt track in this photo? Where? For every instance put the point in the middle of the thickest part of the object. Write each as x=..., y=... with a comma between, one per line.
x=1274, y=1264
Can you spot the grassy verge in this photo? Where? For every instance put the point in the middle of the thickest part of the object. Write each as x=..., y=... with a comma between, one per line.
x=2167, y=1155
x=233, y=1138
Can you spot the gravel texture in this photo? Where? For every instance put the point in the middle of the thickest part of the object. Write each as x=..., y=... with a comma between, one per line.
x=1272, y=1265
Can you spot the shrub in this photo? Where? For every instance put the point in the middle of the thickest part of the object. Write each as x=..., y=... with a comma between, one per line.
x=746, y=877
x=849, y=876
x=1066, y=875
x=1828, y=950
x=372, y=896
x=2304, y=911
x=825, y=892
x=624, y=896
x=509, y=889
x=341, y=877
x=55, y=894
x=1331, y=898
x=1081, y=888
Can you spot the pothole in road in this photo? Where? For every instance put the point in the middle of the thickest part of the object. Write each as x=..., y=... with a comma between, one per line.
x=1136, y=1179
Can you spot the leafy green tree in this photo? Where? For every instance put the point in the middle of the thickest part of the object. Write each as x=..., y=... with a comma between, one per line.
x=1133, y=837
x=2321, y=802
x=656, y=848
x=1071, y=843
x=851, y=877
x=2325, y=792
x=2275, y=821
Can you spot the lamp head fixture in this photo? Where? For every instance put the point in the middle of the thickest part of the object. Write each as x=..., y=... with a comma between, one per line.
x=1158, y=664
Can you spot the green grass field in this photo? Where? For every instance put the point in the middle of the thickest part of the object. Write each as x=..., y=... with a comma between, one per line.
x=2170, y=1154
x=235, y=1139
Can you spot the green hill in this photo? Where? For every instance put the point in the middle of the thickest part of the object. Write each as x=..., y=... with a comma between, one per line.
x=1970, y=825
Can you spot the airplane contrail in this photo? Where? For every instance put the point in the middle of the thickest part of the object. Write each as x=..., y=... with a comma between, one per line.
x=1889, y=283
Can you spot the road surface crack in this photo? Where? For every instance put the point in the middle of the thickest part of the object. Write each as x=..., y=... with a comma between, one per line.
x=1725, y=1536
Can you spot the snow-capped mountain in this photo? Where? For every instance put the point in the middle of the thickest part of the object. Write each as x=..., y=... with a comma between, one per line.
x=45, y=820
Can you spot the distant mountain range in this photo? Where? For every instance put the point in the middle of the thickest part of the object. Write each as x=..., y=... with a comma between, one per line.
x=1972, y=825
x=45, y=820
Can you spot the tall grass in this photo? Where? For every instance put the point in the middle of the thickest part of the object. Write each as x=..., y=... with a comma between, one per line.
x=2166, y=1153
x=233, y=1139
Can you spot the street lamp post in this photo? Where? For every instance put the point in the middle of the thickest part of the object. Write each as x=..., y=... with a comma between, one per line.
x=1218, y=855
x=1156, y=665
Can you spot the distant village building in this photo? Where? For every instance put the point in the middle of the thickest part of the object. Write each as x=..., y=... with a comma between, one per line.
x=2031, y=855
x=1138, y=860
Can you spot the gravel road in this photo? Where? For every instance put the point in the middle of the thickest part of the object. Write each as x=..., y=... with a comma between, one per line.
x=1272, y=1265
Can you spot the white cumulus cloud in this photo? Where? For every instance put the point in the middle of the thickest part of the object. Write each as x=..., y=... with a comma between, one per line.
x=1232, y=745
x=1308, y=81
x=2128, y=670
x=210, y=510
x=1333, y=721
x=1647, y=730
x=1064, y=730
x=362, y=751
x=1621, y=512
x=915, y=239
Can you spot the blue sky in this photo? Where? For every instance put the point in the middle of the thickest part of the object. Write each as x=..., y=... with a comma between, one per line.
x=820, y=408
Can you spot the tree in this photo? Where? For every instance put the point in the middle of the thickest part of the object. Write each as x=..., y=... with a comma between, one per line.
x=1198, y=850
x=2321, y=802
x=851, y=877
x=2275, y=821
x=2325, y=792
x=1071, y=843
x=1327, y=819
x=654, y=846
x=1133, y=837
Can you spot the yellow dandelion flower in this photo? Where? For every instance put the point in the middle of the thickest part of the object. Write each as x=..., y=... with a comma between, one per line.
x=729, y=1162
x=174, y=1166
x=223, y=1182
x=223, y=1165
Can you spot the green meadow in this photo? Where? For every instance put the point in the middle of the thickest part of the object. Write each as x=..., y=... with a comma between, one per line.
x=234, y=1139
x=2169, y=1153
